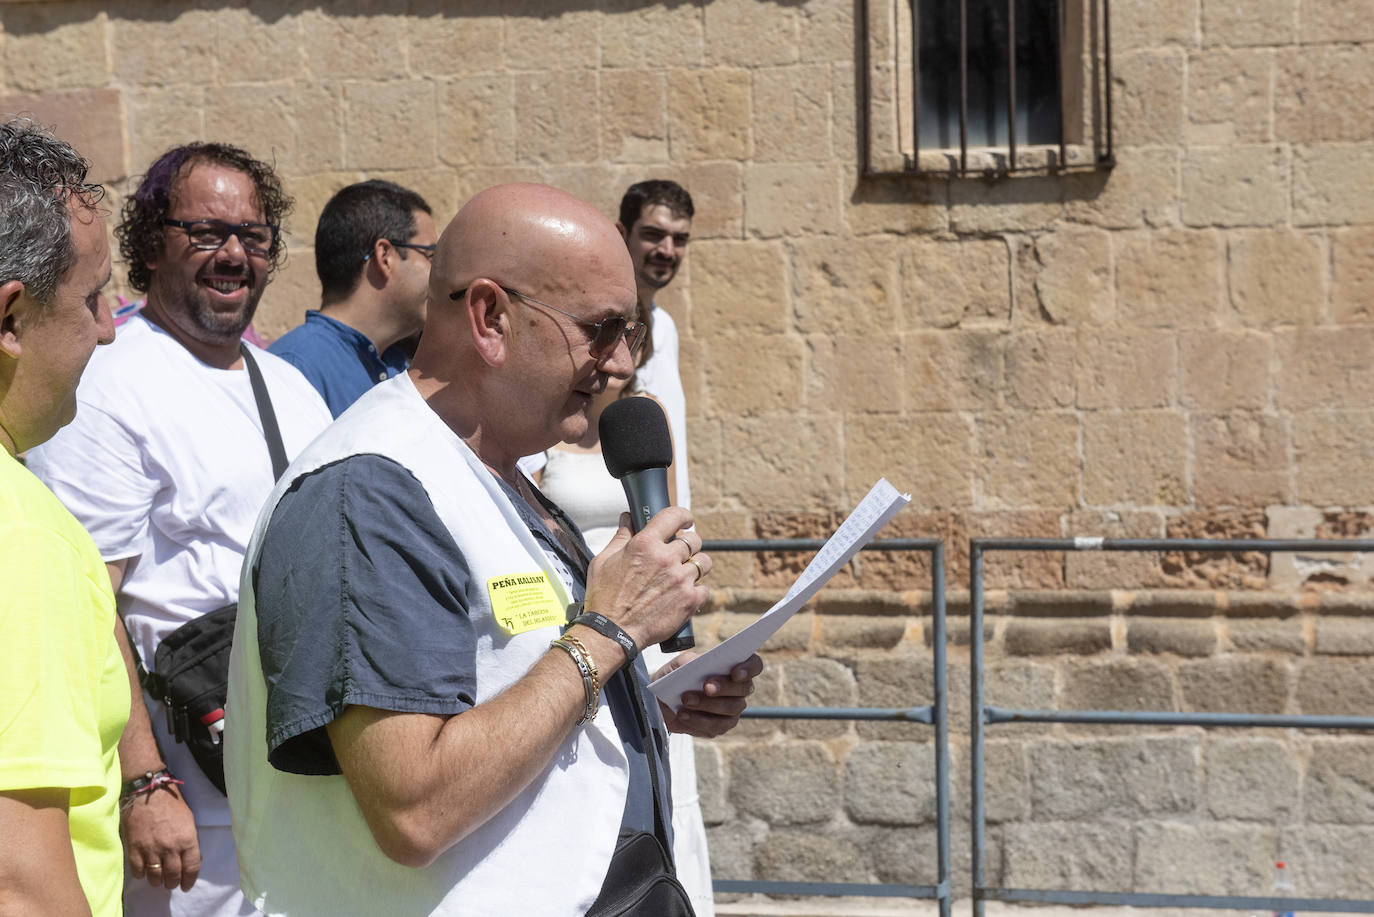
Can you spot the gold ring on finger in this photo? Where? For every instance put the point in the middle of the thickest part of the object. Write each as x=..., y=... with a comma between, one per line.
x=700, y=572
x=154, y=866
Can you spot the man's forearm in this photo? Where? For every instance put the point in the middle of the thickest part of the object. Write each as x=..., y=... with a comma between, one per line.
x=38, y=874
x=138, y=751
x=424, y=783
x=160, y=840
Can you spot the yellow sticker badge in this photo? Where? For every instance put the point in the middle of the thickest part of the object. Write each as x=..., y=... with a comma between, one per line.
x=525, y=601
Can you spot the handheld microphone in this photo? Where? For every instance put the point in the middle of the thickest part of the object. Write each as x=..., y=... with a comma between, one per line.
x=638, y=450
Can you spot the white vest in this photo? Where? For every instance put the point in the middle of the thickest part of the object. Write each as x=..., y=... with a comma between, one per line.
x=303, y=846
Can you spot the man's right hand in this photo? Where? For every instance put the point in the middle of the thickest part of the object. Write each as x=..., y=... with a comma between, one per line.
x=650, y=582
x=159, y=830
x=157, y=826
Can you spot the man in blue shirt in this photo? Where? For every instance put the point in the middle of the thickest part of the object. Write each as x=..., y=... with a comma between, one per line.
x=373, y=246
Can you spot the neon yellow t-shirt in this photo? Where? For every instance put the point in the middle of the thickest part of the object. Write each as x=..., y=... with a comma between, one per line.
x=64, y=692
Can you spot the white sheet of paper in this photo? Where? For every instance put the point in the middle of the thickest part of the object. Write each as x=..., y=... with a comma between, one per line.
x=873, y=512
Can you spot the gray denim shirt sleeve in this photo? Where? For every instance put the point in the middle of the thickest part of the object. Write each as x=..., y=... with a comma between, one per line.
x=362, y=599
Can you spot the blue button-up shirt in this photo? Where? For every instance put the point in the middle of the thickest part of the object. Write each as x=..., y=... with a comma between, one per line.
x=338, y=360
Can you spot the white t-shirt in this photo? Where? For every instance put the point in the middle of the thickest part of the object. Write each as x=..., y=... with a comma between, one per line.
x=659, y=376
x=166, y=464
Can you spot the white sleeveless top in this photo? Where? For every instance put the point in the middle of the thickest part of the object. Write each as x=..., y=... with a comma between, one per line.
x=304, y=847
x=582, y=487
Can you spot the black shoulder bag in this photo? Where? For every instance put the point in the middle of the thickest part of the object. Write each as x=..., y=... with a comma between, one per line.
x=190, y=673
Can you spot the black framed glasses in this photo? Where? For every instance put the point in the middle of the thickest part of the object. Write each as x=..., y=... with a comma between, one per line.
x=426, y=250
x=606, y=333
x=210, y=235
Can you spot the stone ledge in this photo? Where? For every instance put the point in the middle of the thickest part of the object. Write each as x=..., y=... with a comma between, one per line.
x=1346, y=604
x=744, y=600
x=856, y=602
x=1058, y=603
x=957, y=632
x=795, y=634
x=984, y=162
x=1061, y=603
x=1266, y=604
x=1170, y=603
x=864, y=602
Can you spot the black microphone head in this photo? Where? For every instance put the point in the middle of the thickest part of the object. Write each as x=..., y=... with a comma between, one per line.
x=634, y=436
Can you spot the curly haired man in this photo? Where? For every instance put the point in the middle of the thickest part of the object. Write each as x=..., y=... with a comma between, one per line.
x=167, y=466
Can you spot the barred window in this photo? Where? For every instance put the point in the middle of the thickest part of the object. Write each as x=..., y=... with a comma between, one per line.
x=1036, y=57
x=960, y=87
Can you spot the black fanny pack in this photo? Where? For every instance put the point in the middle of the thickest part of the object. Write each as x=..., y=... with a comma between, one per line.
x=640, y=881
x=191, y=665
x=191, y=678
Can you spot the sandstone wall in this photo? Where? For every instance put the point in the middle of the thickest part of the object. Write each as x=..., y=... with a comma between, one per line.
x=1110, y=808
x=1178, y=347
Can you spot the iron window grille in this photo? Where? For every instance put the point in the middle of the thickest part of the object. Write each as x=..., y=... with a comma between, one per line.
x=953, y=88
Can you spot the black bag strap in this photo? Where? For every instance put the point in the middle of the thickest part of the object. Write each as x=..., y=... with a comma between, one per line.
x=150, y=680
x=270, y=430
x=582, y=561
x=651, y=749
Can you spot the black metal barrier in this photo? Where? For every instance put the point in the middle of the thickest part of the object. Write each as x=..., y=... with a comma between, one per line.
x=984, y=715
x=935, y=714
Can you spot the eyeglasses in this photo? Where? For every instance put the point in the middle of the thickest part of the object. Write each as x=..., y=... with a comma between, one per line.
x=607, y=333
x=426, y=250
x=210, y=235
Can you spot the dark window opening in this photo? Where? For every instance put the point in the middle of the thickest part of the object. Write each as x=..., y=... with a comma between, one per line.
x=1037, y=53
x=1020, y=86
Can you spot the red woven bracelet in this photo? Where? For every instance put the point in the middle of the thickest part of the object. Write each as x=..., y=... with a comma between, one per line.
x=141, y=786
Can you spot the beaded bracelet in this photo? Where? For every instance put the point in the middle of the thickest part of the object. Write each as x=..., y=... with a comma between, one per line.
x=590, y=684
x=145, y=784
x=607, y=628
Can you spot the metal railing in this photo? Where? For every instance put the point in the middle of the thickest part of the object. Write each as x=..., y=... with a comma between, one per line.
x=935, y=714
x=983, y=716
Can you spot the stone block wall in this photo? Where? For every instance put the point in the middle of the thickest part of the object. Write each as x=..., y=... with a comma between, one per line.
x=1179, y=344
x=1179, y=347
x=1069, y=806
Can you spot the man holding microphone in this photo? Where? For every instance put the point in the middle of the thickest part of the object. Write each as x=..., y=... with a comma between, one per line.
x=418, y=728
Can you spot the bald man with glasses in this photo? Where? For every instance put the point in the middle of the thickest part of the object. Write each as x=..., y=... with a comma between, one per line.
x=440, y=706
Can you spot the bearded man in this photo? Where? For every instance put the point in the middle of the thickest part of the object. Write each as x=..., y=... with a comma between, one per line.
x=167, y=465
